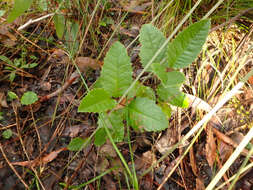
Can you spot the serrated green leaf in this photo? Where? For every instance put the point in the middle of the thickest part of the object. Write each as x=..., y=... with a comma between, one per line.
x=28, y=98
x=59, y=24
x=20, y=6
x=7, y=134
x=139, y=90
x=184, y=49
x=151, y=40
x=97, y=100
x=144, y=113
x=116, y=75
x=168, y=78
x=173, y=95
x=76, y=144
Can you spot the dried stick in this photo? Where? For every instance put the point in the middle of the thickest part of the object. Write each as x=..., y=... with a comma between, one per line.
x=31, y=21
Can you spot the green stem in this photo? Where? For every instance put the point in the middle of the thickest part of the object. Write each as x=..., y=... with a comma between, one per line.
x=115, y=147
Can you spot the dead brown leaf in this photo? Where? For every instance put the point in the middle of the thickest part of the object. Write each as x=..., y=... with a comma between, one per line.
x=225, y=151
x=33, y=163
x=145, y=161
x=229, y=141
x=210, y=147
x=199, y=184
x=73, y=131
x=193, y=162
x=107, y=150
x=83, y=63
x=6, y=37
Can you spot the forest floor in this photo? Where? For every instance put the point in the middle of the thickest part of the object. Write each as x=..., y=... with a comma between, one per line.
x=34, y=138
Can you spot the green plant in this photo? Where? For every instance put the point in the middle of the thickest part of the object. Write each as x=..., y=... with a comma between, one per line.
x=12, y=96
x=20, y=6
x=28, y=98
x=1, y=116
x=141, y=109
x=7, y=134
x=18, y=63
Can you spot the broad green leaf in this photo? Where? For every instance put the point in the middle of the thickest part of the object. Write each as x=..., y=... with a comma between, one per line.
x=98, y=83
x=20, y=6
x=76, y=144
x=116, y=75
x=184, y=49
x=151, y=40
x=59, y=23
x=97, y=100
x=168, y=78
x=116, y=127
x=173, y=95
x=144, y=113
x=29, y=98
x=100, y=137
x=139, y=90
x=7, y=134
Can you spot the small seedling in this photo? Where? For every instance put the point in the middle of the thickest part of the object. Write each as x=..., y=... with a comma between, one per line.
x=29, y=98
x=7, y=134
x=143, y=108
x=12, y=95
x=17, y=63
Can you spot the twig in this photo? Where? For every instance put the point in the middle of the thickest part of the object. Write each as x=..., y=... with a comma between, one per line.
x=13, y=169
x=73, y=77
x=31, y=21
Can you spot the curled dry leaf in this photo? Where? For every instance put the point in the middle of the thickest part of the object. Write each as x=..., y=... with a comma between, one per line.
x=83, y=63
x=48, y=158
